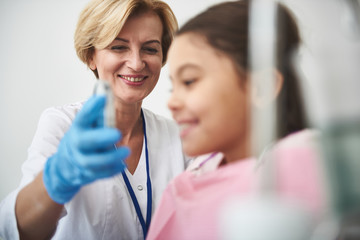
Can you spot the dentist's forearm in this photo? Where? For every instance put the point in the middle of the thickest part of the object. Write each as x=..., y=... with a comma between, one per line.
x=36, y=213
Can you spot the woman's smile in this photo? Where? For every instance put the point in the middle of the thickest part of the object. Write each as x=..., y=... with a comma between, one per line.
x=133, y=80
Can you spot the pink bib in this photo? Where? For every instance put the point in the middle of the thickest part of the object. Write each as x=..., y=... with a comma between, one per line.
x=191, y=205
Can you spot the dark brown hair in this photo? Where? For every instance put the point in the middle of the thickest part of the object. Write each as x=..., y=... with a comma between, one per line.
x=225, y=27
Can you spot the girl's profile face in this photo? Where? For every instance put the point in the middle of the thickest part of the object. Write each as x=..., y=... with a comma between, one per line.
x=208, y=101
x=132, y=62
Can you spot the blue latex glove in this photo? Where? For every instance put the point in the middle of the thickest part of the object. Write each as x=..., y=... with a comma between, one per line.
x=86, y=153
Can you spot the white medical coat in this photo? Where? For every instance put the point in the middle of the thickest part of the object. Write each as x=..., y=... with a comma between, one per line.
x=102, y=209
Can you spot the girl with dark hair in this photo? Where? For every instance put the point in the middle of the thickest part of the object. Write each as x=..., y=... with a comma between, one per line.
x=211, y=100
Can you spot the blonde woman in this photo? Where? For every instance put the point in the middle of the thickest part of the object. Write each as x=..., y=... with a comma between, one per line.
x=86, y=181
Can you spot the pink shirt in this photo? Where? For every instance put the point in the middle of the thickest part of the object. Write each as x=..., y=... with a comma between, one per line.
x=192, y=203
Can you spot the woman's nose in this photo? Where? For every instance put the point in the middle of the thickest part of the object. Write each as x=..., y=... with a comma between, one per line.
x=135, y=61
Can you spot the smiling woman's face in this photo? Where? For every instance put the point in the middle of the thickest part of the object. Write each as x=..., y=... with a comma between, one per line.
x=132, y=62
x=208, y=101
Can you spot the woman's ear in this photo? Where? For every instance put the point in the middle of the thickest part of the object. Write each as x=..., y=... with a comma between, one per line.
x=92, y=64
x=265, y=87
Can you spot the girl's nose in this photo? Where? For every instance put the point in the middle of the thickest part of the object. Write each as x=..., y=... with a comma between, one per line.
x=135, y=61
x=174, y=102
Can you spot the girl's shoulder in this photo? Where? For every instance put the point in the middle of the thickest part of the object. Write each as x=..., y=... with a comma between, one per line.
x=303, y=138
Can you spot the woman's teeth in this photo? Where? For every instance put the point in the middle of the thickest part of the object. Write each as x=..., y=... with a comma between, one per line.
x=133, y=79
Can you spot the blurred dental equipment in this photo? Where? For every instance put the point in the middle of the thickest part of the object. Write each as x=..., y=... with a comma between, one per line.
x=262, y=50
x=103, y=88
x=329, y=66
x=265, y=215
x=333, y=73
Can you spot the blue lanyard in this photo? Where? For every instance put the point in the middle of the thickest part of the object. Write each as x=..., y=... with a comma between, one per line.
x=144, y=225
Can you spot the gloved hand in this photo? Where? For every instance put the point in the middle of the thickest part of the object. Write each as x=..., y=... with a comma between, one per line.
x=86, y=153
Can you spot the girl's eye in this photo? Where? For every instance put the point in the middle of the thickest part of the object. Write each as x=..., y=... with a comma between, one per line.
x=189, y=82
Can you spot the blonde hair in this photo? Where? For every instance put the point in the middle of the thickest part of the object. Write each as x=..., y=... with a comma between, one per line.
x=102, y=20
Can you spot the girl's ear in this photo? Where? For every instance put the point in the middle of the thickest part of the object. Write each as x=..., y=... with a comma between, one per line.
x=265, y=87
